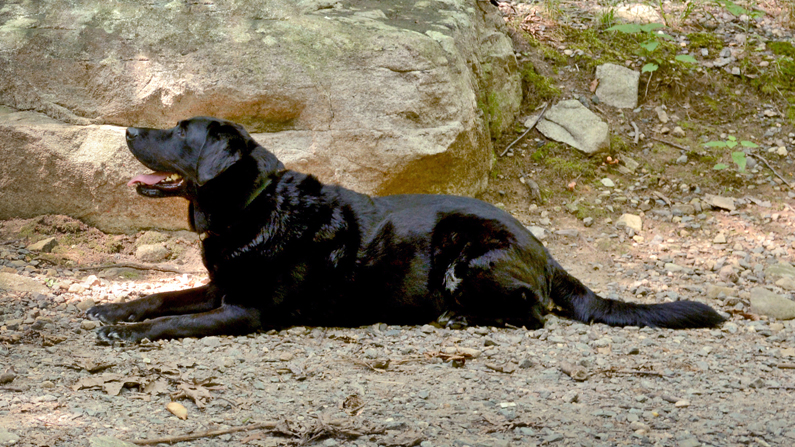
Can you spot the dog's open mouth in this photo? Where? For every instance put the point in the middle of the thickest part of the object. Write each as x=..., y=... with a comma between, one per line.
x=158, y=183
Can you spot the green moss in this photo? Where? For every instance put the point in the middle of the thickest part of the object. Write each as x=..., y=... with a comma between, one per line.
x=27, y=230
x=618, y=144
x=705, y=40
x=782, y=48
x=537, y=86
x=779, y=77
x=791, y=114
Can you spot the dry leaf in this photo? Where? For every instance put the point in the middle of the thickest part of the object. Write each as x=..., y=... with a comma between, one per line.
x=178, y=410
x=594, y=85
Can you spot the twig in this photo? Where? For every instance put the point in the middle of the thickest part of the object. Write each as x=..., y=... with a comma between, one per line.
x=206, y=434
x=786, y=365
x=678, y=146
x=647, y=85
x=754, y=154
x=637, y=131
x=131, y=265
x=526, y=131
x=18, y=389
x=634, y=371
x=662, y=196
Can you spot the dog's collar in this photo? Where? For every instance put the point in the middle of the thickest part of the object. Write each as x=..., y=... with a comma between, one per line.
x=265, y=183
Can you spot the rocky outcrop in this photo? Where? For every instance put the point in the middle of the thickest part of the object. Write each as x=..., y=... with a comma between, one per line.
x=383, y=97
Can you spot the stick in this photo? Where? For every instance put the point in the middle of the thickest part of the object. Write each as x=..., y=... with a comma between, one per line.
x=538, y=118
x=575, y=372
x=771, y=168
x=670, y=144
x=637, y=131
x=206, y=434
x=786, y=365
x=131, y=265
x=635, y=371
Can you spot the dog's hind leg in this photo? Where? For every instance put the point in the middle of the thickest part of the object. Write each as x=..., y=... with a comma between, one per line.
x=199, y=299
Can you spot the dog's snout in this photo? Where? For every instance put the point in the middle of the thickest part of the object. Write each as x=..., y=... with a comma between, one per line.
x=132, y=133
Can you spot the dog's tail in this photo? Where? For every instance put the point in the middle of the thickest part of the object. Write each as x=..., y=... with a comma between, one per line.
x=580, y=303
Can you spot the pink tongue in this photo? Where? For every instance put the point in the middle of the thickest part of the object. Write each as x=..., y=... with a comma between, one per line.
x=148, y=179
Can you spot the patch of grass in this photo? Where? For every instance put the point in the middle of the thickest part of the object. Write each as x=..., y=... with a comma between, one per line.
x=618, y=144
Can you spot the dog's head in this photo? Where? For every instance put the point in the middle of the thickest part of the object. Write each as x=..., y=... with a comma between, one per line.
x=212, y=162
x=187, y=156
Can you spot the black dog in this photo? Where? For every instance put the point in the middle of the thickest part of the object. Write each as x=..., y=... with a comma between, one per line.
x=284, y=249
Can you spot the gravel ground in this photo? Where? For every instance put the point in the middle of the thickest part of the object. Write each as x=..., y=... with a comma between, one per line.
x=566, y=384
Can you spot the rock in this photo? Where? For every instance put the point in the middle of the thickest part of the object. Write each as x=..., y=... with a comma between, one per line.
x=588, y=221
x=786, y=283
x=19, y=283
x=714, y=291
x=85, y=305
x=720, y=238
x=630, y=220
x=44, y=245
x=8, y=438
x=678, y=132
x=683, y=209
x=674, y=268
x=607, y=183
x=662, y=115
x=780, y=270
x=630, y=164
x=152, y=252
x=727, y=274
x=681, y=160
x=572, y=123
x=618, y=86
x=726, y=203
x=765, y=302
x=638, y=12
x=89, y=325
x=538, y=232
x=359, y=99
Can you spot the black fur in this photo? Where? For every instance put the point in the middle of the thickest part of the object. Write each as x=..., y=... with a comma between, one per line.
x=284, y=249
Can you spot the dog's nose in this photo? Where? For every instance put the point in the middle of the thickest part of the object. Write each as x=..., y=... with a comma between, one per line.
x=132, y=133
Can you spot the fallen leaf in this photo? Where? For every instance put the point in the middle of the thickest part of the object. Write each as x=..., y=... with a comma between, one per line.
x=594, y=85
x=178, y=410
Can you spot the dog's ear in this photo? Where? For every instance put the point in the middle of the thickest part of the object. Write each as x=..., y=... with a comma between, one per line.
x=225, y=144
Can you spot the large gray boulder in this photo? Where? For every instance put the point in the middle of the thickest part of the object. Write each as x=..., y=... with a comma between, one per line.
x=383, y=97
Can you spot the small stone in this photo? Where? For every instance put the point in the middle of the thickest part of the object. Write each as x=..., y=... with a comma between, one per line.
x=588, y=221
x=661, y=114
x=782, y=151
x=608, y=183
x=681, y=160
x=678, y=132
x=682, y=403
x=85, y=304
x=76, y=288
x=765, y=302
x=726, y=203
x=44, y=245
x=630, y=220
x=673, y=268
x=152, y=253
x=727, y=274
x=286, y=356
x=89, y=325
x=719, y=239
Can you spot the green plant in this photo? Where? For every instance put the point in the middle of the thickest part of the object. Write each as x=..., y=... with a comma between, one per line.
x=737, y=10
x=738, y=157
x=651, y=43
x=607, y=18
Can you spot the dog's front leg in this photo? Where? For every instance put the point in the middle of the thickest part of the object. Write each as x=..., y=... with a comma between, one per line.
x=189, y=301
x=226, y=320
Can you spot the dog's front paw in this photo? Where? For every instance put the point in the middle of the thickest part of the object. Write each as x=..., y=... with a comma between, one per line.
x=113, y=313
x=126, y=333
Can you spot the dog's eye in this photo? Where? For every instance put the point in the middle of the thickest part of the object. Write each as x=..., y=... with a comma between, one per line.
x=181, y=132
